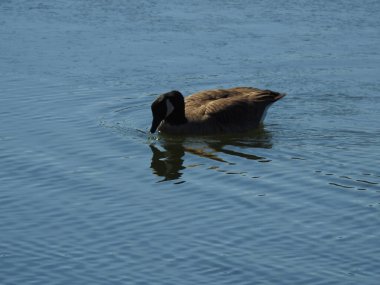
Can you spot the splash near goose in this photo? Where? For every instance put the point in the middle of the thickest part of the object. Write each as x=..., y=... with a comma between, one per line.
x=212, y=111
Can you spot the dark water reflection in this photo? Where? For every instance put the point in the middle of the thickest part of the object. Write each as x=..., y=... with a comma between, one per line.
x=168, y=153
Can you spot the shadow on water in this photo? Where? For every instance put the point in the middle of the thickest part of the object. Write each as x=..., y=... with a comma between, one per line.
x=168, y=152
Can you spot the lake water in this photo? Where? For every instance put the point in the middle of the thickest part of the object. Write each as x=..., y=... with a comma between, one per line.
x=87, y=197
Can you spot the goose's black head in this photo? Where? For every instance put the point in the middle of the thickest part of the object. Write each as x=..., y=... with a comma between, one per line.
x=169, y=107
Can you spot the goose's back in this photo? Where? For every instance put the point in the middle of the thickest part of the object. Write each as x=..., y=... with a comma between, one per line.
x=235, y=105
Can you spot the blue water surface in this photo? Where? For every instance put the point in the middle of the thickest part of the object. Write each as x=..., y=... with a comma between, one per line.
x=87, y=196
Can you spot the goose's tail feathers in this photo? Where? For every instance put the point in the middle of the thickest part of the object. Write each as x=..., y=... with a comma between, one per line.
x=279, y=96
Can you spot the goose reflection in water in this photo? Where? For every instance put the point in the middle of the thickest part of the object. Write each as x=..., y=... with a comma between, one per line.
x=168, y=152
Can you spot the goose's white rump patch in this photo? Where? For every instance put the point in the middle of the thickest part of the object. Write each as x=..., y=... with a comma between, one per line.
x=264, y=113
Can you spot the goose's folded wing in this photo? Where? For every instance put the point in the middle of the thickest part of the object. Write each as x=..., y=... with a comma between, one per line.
x=227, y=111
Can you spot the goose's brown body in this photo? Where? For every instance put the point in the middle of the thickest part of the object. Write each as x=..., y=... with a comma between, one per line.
x=222, y=111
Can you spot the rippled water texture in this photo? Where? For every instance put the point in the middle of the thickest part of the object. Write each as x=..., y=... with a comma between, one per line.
x=88, y=197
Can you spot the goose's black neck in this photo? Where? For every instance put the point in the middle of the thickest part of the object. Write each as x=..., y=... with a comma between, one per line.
x=177, y=117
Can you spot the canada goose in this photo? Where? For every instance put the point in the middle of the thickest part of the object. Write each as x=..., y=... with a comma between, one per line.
x=212, y=111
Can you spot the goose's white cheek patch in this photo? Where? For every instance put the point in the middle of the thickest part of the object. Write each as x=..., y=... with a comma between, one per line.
x=169, y=108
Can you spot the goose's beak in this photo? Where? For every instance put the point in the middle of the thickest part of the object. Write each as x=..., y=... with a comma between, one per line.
x=155, y=125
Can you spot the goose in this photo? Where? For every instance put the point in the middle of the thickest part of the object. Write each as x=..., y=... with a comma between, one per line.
x=214, y=111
